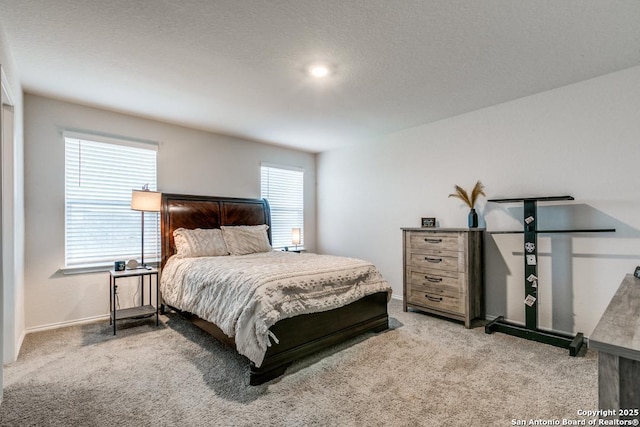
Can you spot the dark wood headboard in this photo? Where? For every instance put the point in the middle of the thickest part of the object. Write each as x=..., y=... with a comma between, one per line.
x=187, y=211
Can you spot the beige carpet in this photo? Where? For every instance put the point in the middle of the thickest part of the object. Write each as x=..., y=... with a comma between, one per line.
x=425, y=371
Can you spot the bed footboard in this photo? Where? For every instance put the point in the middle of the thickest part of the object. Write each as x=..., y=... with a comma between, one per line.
x=304, y=335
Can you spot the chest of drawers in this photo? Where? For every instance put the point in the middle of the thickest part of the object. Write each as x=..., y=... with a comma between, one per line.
x=443, y=272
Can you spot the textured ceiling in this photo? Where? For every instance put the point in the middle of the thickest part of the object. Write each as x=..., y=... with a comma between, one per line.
x=238, y=66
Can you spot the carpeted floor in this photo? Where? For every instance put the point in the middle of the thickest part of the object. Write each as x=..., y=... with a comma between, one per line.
x=425, y=371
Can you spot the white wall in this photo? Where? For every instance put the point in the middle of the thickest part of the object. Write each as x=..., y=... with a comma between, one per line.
x=189, y=162
x=12, y=298
x=581, y=140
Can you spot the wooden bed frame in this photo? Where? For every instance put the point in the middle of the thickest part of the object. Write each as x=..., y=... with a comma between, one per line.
x=299, y=336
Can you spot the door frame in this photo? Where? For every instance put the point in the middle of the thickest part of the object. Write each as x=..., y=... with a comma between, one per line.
x=6, y=103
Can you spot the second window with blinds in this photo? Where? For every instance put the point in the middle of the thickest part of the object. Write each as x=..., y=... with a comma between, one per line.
x=283, y=187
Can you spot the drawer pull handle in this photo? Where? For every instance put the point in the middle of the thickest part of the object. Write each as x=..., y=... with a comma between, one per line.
x=433, y=240
x=433, y=279
x=434, y=299
x=433, y=259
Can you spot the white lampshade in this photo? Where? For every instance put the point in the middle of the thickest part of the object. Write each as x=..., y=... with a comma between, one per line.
x=146, y=201
x=295, y=236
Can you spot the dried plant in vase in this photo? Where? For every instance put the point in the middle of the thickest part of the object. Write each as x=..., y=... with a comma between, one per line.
x=470, y=200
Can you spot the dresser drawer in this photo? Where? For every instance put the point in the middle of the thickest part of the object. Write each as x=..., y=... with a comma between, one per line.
x=438, y=301
x=422, y=260
x=436, y=241
x=436, y=279
x=435, y=290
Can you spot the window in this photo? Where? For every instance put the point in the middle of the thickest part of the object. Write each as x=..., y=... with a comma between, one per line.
x=100, y=226
x=283, y=188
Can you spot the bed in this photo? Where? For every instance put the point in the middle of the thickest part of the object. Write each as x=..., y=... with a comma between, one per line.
x=292, y=338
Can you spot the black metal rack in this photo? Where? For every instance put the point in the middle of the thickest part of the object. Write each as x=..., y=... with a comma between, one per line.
x=530, y=329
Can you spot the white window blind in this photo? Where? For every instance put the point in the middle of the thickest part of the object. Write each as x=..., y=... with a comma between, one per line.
x=284, y=189
x=100, y=226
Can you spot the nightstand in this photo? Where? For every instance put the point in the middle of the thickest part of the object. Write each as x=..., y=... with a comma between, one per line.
x=140, y=311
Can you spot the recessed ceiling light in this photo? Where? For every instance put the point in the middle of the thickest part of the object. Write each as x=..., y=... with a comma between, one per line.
x=319, y=71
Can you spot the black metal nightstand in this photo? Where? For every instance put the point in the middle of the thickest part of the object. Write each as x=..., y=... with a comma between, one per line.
x=140, y=311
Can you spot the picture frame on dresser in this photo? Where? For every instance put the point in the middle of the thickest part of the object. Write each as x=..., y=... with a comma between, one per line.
x=428, y=222
x=444, y=272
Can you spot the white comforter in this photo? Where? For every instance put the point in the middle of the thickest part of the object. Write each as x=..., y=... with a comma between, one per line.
x=246, y=295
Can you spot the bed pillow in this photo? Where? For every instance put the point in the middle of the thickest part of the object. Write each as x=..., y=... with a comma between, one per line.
x=199, y=242
x=246, y=239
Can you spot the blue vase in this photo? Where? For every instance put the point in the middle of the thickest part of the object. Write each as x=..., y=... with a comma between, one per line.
x=473, y=219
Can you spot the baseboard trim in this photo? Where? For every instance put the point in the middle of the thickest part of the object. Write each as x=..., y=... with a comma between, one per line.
x=66, y=323
x=19, y=343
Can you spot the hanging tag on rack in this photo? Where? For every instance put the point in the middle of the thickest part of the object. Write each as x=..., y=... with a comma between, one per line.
x=529, y=219
x=529, y=247
x=532, y=278
x=530, y=300
x=531, y=260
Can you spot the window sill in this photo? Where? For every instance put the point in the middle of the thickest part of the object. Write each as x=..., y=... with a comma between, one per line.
x=85, y=269
x=98, y=268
